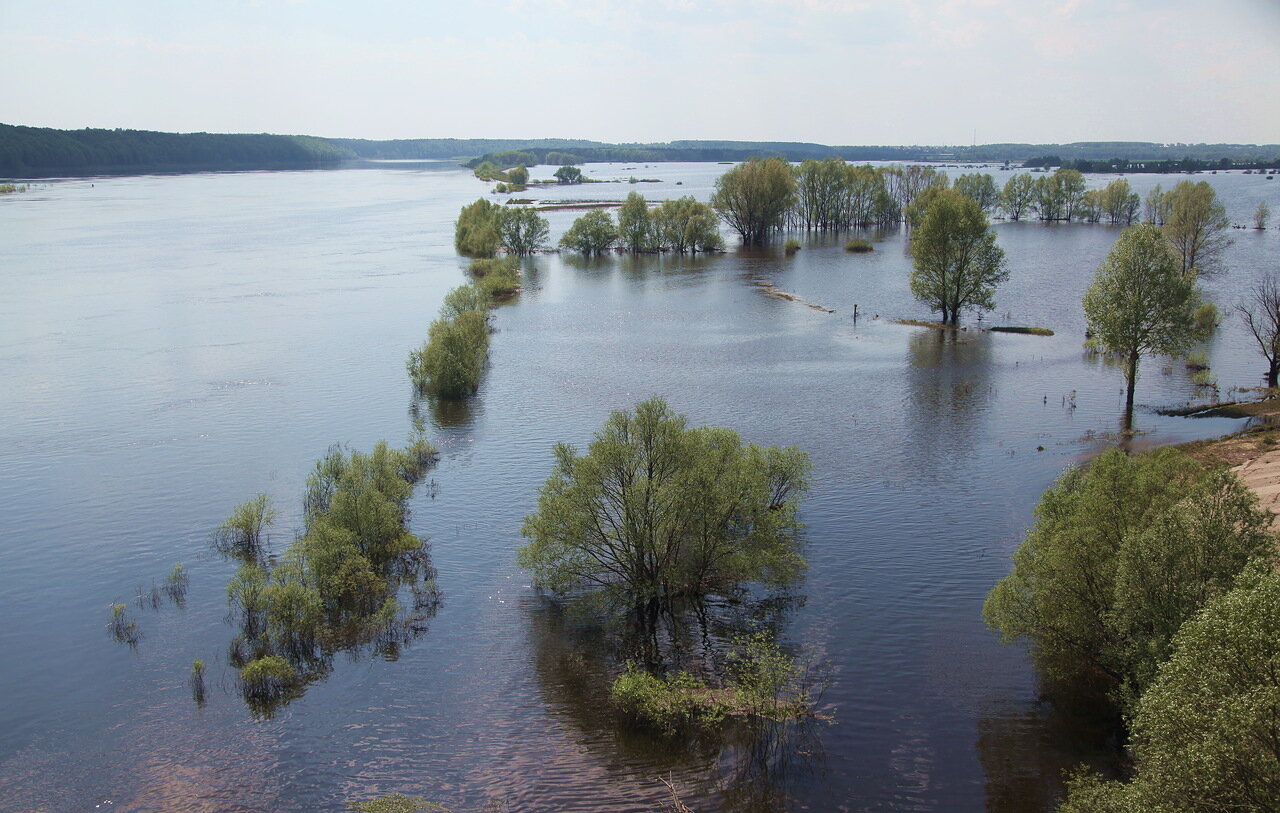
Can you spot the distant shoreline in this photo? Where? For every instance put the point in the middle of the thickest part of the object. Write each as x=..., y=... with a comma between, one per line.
x=37, y=152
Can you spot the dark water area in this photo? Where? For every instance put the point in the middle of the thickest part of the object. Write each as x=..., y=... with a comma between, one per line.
x=171, y=346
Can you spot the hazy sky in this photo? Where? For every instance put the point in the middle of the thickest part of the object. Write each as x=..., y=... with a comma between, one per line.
x=830, y=71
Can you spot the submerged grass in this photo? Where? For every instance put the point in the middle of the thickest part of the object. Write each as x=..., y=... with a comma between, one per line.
x=1026, y=331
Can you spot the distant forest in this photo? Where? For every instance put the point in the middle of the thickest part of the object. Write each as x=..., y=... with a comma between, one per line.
x=34, y=152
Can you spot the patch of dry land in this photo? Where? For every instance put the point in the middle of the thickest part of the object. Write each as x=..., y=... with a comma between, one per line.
x=1254, y=454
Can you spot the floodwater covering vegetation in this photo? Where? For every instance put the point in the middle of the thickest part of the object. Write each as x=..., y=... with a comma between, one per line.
x=656, y=511
x=451, y=362
x=1132, y=570
x=338, y=586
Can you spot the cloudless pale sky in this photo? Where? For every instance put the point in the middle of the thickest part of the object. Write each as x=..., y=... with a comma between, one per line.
x=829, y=71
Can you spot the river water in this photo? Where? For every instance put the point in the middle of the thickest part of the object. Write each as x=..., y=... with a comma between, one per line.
x=171, y=346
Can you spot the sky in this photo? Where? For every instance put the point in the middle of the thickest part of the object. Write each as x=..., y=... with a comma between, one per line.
x=842, y=72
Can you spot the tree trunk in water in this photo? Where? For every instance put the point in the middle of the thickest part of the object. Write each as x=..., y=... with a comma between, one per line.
x=1273, y=373
x=1132, y=381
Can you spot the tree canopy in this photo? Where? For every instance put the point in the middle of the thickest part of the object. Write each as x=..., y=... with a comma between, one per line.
x=656, y=510
x=957, y=263
x=754, y=198
x=1140, y=302
x=593, y=233
x=1196, y=223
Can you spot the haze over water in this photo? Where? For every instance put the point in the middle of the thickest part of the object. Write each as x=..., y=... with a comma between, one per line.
x=172, y=346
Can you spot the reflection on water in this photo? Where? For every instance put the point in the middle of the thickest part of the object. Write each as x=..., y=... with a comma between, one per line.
x=749, y=765
x=136, y=309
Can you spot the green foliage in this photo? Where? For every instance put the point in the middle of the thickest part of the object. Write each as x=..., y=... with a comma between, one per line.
x=396, y=803
x=488, y=171
x=754, y=198
x=196, y=681
x=760, y=682
x=957, y=263
x=11, y=188
x=1141, y=303
x=1204, y=734
x=1260, y=215
x=335, y=587
x=523, y=231
x=831, y=194
x=123, y=630
x=684, y=225
x=468, y=298
x=568, y=175
x=593, y=233
x=1121, y=554
x=635, y=228
x=655, y=510
x=859, y=246
x=1206, y=317
x=175, y=586
x=496, y=279
x=1196, y=224
x=981, y=187
x=241, y=534
x=453, y=359
x=478, y=231
x=518, y=176
x=791, y=246
x=1120, y=203
x=1018, y=195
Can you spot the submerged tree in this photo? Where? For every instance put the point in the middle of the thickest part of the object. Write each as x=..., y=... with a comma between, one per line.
x=686, y=225
x=656, y=511
x=593, y=233
x=1140, y=302
x=478, y=231
x=754, y=198
x=957, y=263
x=635, y=227
x=1260, y=311
x=1018, y=195
x=523, y=231
x=1196, y=223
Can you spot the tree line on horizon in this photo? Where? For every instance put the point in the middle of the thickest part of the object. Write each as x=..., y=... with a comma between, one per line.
x=31, y=151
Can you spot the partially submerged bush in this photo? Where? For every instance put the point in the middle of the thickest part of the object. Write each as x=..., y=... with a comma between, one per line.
x=466, y=298
x=791, y=246
x=478, y=231
x=122, y=628
x=858, y=246
x=241, y=534
x=452, y=361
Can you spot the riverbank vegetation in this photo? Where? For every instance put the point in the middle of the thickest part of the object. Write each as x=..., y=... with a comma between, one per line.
x=1113, y=589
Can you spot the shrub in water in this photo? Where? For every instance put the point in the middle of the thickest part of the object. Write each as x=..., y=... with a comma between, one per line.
x=858, y=246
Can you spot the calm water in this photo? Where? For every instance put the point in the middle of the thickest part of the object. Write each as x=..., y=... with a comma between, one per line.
x=171, y=346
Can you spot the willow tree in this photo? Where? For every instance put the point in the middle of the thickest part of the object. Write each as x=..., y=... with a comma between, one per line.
x=1140, y=302
x=655, y=510
x=635, y=227
x=1018, y=195
x=957, y=263
x=754, y=198
x=1196, y=224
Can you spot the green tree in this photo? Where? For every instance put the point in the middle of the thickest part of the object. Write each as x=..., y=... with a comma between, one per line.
x=568, y=175
x=465, y=298
x=981, y=187
x=684, y=224
x=518, y=176
x=1141, y=303
x=1018, y=195
x=1120, y=203
x=593, y=233
x=1156, y=206
x=635, y=227
x=1197, y=226
x=452, y=361
x=656, y=510
x=1062, y=587
x=1204, y=735
x=957, y=263
x=754, y=198
x=523, y=230
x=1261, y=215
x=478, y=230
x=241, y=534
